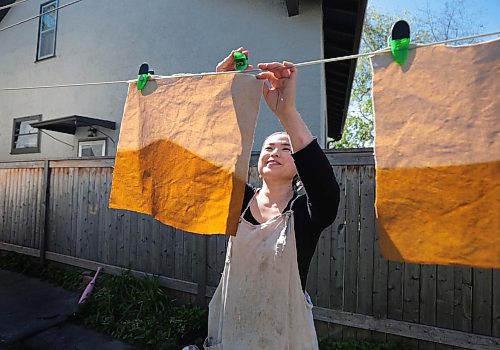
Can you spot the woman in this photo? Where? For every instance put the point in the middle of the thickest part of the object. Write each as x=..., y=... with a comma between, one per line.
x=261, y=301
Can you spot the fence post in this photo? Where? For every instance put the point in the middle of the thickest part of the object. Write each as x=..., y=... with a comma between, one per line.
x=44, y=213
x=201, y=247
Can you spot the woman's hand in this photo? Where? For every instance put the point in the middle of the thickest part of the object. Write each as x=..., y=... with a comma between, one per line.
x=280, y=87
x=228, y=64
x=279, y=91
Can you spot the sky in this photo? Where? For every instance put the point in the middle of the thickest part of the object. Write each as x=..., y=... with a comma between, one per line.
x=485, y=12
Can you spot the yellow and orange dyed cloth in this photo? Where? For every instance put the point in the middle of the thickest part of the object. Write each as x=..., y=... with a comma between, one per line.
x=184, y=150
x=437, y=151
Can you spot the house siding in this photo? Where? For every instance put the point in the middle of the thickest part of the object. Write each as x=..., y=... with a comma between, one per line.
x=108, y=40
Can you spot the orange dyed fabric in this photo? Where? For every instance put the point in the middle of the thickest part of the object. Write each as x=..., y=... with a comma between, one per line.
x=184, y=150
x=437, y=151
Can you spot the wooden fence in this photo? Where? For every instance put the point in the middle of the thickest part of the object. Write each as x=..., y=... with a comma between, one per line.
x=58, y=210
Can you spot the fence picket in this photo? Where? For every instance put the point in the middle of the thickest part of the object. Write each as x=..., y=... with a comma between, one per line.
x=427, y=301
x=444, y=300
x=352, y=245
x=337, y=249
x=366, y=239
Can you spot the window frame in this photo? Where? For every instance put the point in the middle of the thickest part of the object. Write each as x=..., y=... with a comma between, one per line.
x=13, y=149
x=93, y=139
x=38, y=58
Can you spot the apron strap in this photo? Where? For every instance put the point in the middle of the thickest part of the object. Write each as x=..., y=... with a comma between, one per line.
x=293, y=200
x=250, y=202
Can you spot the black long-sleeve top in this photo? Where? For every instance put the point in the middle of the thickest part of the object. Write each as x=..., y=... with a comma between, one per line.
x=314, y=210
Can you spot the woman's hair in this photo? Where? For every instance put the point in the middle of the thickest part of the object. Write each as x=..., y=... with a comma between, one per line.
x=274, y=133
x=297, y=184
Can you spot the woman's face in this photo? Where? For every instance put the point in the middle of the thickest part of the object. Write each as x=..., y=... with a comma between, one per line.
x=275, y=160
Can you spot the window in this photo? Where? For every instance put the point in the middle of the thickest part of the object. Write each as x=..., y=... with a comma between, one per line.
x=25, y=139
x=92, y=148
x=47, y=26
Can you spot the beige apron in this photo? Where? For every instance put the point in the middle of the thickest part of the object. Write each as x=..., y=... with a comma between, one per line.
x=259, y=303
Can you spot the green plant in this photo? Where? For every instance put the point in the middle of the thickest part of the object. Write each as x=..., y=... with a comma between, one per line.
x=139, y=312
x=135, y=310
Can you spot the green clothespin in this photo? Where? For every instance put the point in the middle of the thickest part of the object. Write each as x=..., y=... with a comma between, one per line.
x=143, y=76
x=400, y=41
x=241, y=61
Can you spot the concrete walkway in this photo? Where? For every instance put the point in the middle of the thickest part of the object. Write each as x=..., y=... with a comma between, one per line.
x=34, y=313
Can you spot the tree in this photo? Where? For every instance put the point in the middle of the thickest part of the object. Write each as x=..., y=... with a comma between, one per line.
x=427, y=26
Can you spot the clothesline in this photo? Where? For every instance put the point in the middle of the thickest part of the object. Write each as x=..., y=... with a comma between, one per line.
x=12, y=5
x=300, y=64
x=40, y=15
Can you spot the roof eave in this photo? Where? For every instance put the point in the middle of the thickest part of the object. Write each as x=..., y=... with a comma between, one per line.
x=342, y=26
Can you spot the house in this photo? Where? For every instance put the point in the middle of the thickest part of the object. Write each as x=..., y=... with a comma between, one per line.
x=95, y=41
